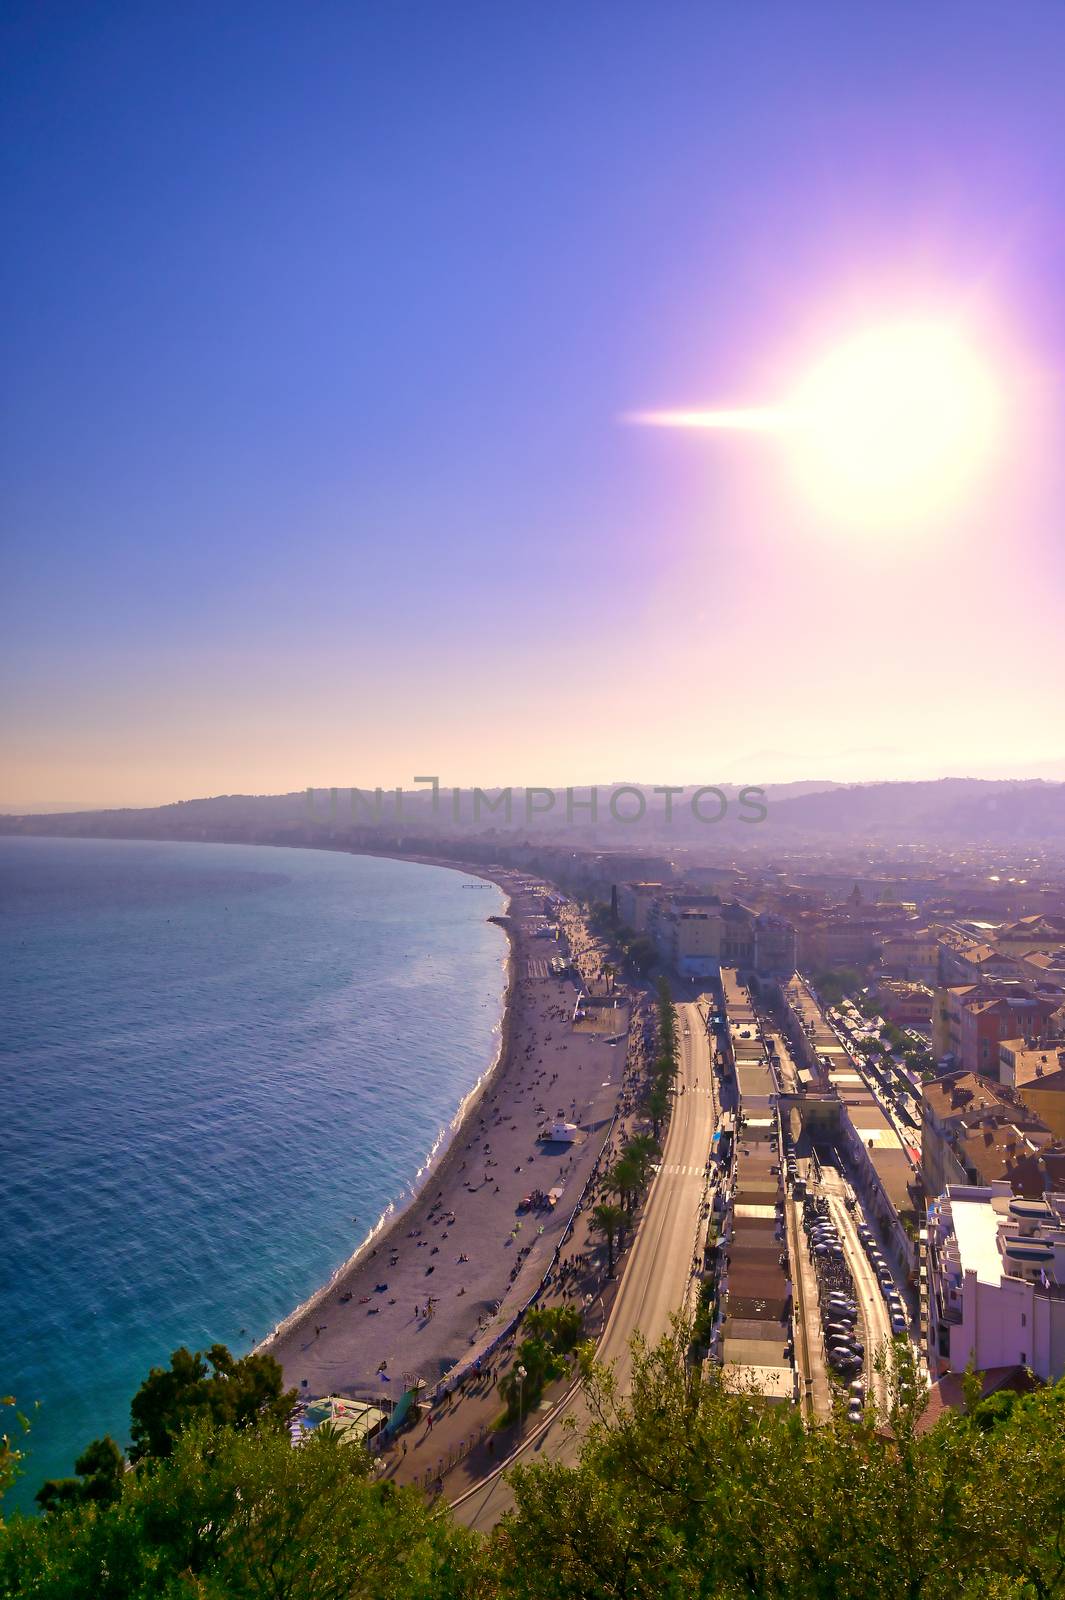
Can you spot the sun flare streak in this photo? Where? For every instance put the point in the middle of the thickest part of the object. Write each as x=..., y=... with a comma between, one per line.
x=889, y=428
x=741, y=419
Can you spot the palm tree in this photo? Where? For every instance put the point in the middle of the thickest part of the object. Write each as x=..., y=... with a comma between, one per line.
x=558, y=1326
x=624, y=1180
x=657, y=1106
x=643, y=1151
x=610, y=1222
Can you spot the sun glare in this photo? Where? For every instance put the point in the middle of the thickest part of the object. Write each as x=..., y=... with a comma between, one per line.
x=893, y=426
x=889, y=430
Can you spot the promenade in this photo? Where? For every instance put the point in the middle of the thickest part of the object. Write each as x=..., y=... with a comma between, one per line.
x=440, y=1283
x=656, y=1282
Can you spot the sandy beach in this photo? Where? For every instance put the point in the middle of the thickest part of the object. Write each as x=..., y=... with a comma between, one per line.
x=442, y=1279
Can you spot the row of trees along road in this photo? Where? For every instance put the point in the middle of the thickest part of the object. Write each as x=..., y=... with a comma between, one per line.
x=629, y=1176
x=681, y=1489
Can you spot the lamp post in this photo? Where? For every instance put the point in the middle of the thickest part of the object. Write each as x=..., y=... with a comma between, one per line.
x=521, y=1375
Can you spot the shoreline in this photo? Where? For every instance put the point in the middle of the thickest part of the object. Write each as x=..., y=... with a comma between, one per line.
x=446, y=1334
x=398, y=1208
x=508, y=1109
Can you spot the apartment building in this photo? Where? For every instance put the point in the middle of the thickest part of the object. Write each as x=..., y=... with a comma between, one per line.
x=737, y=937
x=1036, y=1071
x=913, y=957
x=774, y=946
x=973, y=1131
x=986, y=1022
x=689, y=940
x=970, y=1021
x=995, y=1281
x=1029, y=934
x=907, y=1005
x=965, y=959
x=636, y=902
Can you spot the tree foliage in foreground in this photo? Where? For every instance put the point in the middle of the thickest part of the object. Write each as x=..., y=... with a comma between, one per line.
x=685, y=1490
x=242, y=1515
x=681, y=1490
x=217, y=1387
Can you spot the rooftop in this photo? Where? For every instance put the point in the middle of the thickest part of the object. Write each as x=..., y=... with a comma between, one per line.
x=976, y=1230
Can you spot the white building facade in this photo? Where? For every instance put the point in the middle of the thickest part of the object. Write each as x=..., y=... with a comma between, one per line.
x=995, y=1267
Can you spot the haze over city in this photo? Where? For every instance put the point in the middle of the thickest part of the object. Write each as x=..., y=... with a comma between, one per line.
x=324, y=346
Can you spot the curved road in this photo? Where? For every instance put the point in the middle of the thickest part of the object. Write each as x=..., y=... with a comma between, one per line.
x=657, y=1277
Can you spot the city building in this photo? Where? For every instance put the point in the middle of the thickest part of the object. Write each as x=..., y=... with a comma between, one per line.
x=912, y=956
x=995, y=1281
x=774, y=946
x=969, y=1021
x=974, y=1131
x=689, y=940
x=1045, y=968
x=907, y=1005
x=965, y=959
x=1029, y=934
x=986, y=1022
x=1036, y=1072
x=636, y=903
x=737, y=938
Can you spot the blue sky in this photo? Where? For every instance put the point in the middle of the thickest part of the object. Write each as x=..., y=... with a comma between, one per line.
x=318, y=322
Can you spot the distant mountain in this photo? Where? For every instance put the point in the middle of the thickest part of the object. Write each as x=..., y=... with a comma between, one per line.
x=969, y=809
x=951, y=810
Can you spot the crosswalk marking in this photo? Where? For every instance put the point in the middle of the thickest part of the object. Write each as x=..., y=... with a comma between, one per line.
x=677, y=1169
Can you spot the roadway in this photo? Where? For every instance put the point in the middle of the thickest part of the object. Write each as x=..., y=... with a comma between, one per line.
x=657, y=1279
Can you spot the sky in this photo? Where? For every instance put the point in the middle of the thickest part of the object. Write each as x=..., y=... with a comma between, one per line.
x=320, y=328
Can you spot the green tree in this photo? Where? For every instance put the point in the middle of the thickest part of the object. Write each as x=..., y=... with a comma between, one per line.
x=240, y=1515
x=216, y=1387
x=11, y=1455
x=835, y=984
x=623, y=1179
x=536, y=1364
x=683, y=1488
x=559, y=1326
x=610, y=1221
x=641, y=953
x=643, y=1152
x=99, y=1468
x=657, y=1105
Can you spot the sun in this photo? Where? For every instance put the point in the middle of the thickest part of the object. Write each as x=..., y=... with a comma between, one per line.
x=890, y=430
x=893, y=426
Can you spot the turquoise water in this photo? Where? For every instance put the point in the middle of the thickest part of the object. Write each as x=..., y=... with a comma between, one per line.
x=214, y=1059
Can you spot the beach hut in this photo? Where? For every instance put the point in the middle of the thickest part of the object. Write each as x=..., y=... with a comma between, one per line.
x=561, y=1133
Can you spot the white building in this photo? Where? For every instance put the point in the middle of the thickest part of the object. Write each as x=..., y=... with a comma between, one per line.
x=996, y=1281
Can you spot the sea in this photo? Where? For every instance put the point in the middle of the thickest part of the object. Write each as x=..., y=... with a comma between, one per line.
x=219, y=1065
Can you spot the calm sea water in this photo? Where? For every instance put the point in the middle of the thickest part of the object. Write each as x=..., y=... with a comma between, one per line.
x=214, y=1060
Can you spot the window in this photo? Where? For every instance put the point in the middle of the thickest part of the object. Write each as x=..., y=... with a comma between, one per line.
x=1024, y=1319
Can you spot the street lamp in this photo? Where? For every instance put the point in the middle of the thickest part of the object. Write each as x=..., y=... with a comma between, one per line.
x=521, y=1375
